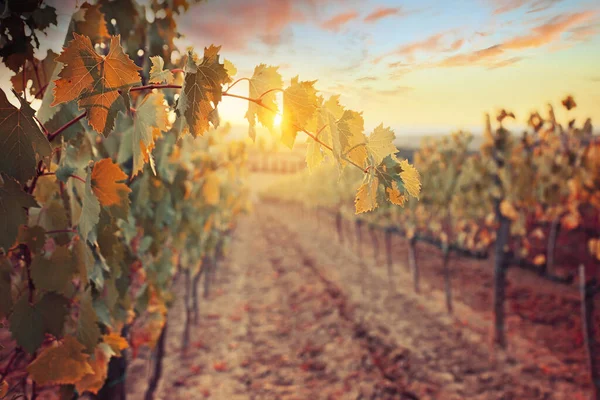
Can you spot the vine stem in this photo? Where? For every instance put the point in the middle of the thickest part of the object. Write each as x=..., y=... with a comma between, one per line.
x=235, y=83
x=72, y=176
x=66, y=126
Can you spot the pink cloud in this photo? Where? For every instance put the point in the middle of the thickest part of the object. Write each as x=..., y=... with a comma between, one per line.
x=456, y=45
x=548, y=33
x=534, y=6
x=234, y=24
x=382, y=13
x=336, y=22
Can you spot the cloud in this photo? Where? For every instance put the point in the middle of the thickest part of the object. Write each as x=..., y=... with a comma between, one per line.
x=456, y=45
x=550, y=31
x=534, y=6
x=504, y=6
x=367, y=79
x=505, y=63
x=475, y=57
x=382, y=12
x=431, y=43
x=542, y=35
x=236, y=24
x=336, y=22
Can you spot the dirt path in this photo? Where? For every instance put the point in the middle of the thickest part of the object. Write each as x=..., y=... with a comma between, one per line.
x=294, y=315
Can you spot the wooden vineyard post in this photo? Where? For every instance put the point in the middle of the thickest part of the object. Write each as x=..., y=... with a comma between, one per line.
x=188, y=310
x=388, y=254
x=587, y=291
x=412, y=262
x=500, y=267
x=447, y=280
x=158, y=364
x=554, y=229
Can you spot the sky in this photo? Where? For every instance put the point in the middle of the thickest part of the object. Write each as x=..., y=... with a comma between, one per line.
x=418, y=66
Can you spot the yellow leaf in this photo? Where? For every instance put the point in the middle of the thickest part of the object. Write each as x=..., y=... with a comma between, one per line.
x=62, y=364
x=94, y=381
x=229, y=67
x=394, y=195
x=105, y=177
x=157, y=73
x=411, y=179
x=381, y=143
x=366, y=196
x=211, y=189
x=116, y=342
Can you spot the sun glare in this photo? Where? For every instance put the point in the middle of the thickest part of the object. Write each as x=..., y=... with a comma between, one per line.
x=277, y=120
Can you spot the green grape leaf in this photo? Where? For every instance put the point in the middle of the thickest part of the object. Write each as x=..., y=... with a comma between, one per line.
x=151, y=119
x=88, y=332
x=54, y=273
x=23, y=142
x=13, y=201
x=39, y=72
x=30, y=322
x=90, y=211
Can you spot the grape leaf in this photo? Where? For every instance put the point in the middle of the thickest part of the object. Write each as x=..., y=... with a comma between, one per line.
x=202, y=90
x=90, y=210
x=94, y=381
x=410, y=178
x=394, y=195
x=157, y=73
x=88, y=332
x=30, y=322
x=6, y=301
x=299, y=105
x=116, y=342
x=95, y=81
x=34, y=237
x=84, y=259
x=13, y=201
x=39, y=72
x=21, y=139
x=211, y=189
x=381, y=143
x=54, y=273
x=366, y=196
x=230, y=68
x=90, y=22
x=264, y=79
x=105, y=184
x=61, y=364
x=352, y=137
x=151, y=119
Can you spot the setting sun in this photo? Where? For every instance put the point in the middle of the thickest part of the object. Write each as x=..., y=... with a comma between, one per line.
x=277, y=119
